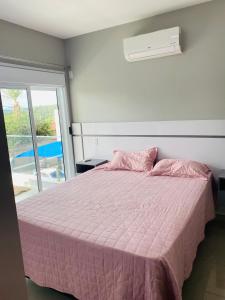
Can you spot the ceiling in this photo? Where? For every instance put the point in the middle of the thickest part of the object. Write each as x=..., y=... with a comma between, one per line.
x=68, y=18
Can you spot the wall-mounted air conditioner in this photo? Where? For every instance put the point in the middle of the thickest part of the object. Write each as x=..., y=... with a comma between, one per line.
x=153, y=45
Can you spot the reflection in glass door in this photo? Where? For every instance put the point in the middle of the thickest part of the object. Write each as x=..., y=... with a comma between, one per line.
x=33, y=130
x=19, y=136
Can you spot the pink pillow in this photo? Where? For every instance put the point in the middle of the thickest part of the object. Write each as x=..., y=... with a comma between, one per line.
x=181, y=168
x=134, y=161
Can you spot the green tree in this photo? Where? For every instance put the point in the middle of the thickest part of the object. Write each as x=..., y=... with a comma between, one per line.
x=14, y=94
x=43, y=129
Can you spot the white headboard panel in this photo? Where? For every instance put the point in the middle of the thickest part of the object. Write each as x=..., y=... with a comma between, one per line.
x=197, y=140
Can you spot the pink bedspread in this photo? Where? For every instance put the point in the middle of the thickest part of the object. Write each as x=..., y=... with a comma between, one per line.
x=115, y=234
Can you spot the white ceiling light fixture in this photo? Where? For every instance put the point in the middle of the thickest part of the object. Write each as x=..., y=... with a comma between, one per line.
x=70, y=18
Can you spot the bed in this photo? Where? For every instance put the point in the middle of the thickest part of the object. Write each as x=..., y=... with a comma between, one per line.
x=115, y=234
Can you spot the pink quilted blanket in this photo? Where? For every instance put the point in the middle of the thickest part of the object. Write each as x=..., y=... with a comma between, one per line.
x=115, y=234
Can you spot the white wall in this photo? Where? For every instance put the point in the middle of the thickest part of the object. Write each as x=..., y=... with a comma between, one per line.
x=20, y=43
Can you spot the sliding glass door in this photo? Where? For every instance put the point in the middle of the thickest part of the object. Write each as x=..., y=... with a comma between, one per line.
x=34, y=124
x=19, y=137
x=48, y=136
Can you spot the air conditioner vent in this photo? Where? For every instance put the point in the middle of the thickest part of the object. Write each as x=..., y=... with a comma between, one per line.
x=152, y=45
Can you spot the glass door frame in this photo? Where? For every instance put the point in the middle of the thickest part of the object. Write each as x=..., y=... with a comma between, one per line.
x=62, y=102
x=34, y=139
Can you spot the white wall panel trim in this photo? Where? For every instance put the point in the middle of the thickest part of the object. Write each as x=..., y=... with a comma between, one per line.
x=199, y=128
x=202, y=140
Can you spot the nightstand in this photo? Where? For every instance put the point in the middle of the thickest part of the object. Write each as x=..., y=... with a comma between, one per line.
x=88, y=164
x=221, y=194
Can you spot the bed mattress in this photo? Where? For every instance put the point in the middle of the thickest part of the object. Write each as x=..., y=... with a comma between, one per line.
x=115, y=234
